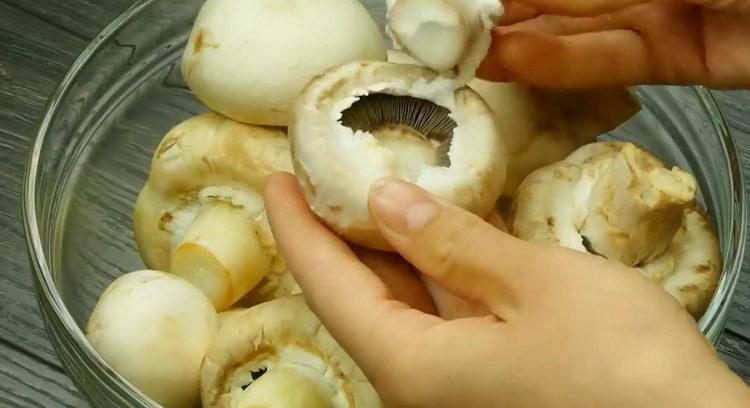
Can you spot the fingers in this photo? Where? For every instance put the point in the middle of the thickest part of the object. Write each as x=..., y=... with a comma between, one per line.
x=451, y=306
x=580, y=7
x=496, y=220
x=516, y=11
x=351, y=301
x=590, y=60
x=740, y=6
x=314, y=254
x=562, y=25
x=728, y=36
x=457, y=249
x=399, y=277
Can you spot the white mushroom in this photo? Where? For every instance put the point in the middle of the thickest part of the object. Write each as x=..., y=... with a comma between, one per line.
x=201, y=214
x=541, y=127
x=445, y=34
x=279, y=354
x=617, y=200
x=545, y=126
x=154, y=329
x=363, y=121
x=249, y=59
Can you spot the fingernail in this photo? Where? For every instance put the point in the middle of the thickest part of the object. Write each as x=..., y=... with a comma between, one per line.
x=401, y=207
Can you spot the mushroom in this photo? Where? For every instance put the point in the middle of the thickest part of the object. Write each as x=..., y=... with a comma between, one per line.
x=618, y=201
x=445, y=35
x=279, y=281
x=154, y=329
x=248, y=60
x=542, y=126
x=545, y=126
x=363, y=121
x=279, y=354
x=201, y=213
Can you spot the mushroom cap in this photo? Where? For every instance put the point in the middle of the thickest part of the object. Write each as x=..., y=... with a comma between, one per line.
x=284, y=340
x=545, y=126
x=617, y=200
x=154, y=329
x=205, y=161
x=445, y=35
x=336, y=165
x=249, y=59
x=540, y=126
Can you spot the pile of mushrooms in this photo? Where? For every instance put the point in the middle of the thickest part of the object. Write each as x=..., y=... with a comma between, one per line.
x=217, y=320
x=200, y=224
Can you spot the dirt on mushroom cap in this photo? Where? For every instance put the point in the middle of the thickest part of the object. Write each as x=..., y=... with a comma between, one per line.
x=275, y=332
x=211, y=166
x=591, y=203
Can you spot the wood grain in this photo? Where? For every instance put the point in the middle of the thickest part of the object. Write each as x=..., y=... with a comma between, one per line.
x=30, y=67
x=83, y=18
x=734, y=350
x=26, y=382
x=736, y=108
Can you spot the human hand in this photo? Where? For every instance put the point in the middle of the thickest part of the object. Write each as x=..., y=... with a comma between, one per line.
x=608, y=43
x=566, y=329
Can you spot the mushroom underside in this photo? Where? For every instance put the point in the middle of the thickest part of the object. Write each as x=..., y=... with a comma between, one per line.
x=278, y=354
x=417, y=131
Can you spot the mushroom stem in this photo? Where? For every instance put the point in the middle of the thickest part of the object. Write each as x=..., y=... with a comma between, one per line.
x=636, y=207
x=411, y=150
x=221, y=254
x=283, y=387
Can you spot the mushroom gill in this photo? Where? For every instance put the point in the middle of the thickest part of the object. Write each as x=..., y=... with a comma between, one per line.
x=416, y=130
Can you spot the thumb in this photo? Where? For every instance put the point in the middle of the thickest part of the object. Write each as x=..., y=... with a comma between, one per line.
x=456, y=248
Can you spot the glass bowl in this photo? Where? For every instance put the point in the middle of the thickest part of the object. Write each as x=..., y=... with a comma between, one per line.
x=93, y=147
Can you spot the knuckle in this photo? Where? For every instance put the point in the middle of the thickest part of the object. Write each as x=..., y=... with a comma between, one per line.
x=454, y=247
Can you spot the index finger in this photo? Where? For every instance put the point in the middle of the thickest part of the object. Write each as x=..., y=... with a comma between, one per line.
x=579, y=8
x=351, y=301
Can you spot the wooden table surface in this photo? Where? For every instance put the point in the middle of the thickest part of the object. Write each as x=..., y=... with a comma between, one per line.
x=39, y=39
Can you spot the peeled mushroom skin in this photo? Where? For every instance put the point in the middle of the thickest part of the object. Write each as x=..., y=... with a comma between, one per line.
x=278, y=354
x=450, y=36
x=201, y=213
x=617, y=200
x=417, y=25
x=364, y=121
x=154, y=329
x=248, y=60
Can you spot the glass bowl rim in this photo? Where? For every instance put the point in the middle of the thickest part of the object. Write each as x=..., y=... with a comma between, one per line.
x=46, y=290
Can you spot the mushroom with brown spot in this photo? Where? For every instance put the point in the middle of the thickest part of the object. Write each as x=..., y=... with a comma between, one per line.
x=618, y=201
x=248, y=60
x=279, y=354
x=364, y=121
x=201, y=213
